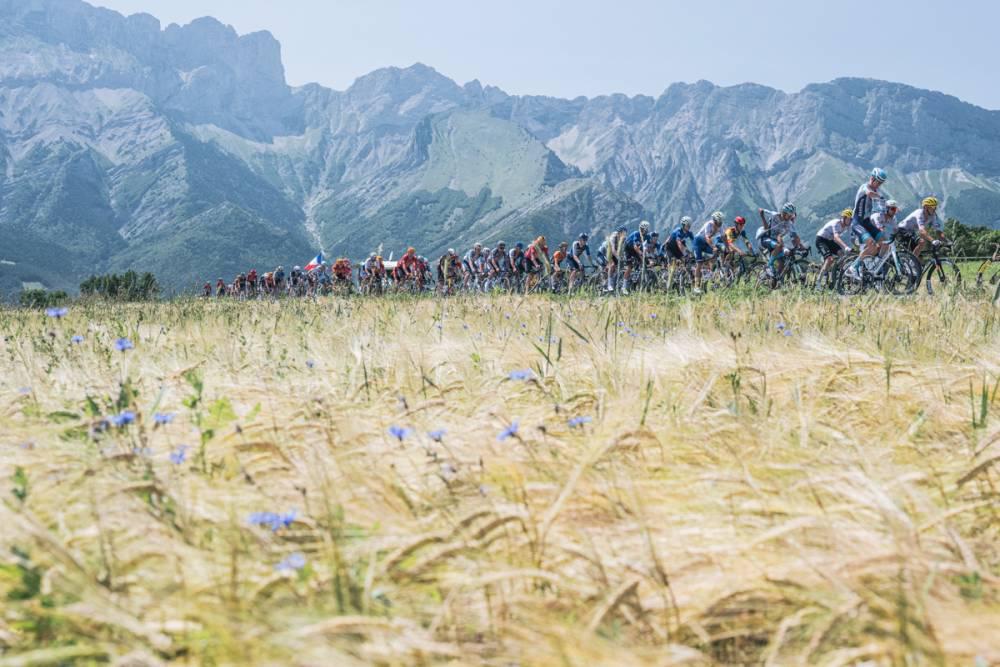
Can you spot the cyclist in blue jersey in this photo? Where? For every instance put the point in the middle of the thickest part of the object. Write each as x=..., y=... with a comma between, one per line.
x=676, y=245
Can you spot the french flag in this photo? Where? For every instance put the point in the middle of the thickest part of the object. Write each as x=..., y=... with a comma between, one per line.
x=314, y=264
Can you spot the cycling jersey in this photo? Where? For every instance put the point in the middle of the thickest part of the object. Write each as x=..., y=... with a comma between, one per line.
x=834, y=227
x=535, y=253
x=776, y=228
x=634, y=239
x=516, y=259
x=731, y=234
x=919, y=219
x=499, y=257
x=409, y=263
x=579, y=249
x=558, y=257
x=708, y=230
x=471, y=260
x=868, y=201
x=884, y=222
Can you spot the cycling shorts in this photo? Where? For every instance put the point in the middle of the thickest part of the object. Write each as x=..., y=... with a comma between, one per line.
x=702, y=249
x=827, y=248
x=574, y=263
x=866, y=230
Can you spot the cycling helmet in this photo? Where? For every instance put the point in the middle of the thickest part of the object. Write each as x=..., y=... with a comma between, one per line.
x=297, y=268
x=740, y=220
x=519, y=245
x=422, y=258
x=644, y=227
x=478, y=246
x=879, y=175
x=686, y=222
x=540, y=240
x=788, y=208
x=892, y=203
x=584, y=237
x=501, y=244
x=718, y=217
x=621, y=229
x=847, y=213
x=654, y=235
x=451, y=251
x=930, y=201
x=371, y=256
x=411, y=251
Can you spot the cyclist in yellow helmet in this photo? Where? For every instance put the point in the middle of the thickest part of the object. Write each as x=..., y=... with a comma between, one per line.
x=829, y=240
x=922, y=227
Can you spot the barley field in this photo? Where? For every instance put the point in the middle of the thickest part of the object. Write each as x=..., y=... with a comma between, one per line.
x=502, y=481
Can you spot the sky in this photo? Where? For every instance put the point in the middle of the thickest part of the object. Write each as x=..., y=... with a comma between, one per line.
x=594, y=47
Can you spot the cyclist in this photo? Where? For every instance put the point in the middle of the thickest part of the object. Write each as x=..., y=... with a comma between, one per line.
x=777, y=227
x=652, y=251
x=279, y=278
x=252, y=282
x=448, y=268
x=923, y=226
x=575, y=259
x=867, y=201
x=735, y=232
x=536, y=260
x=676, y=244
x=342, y=270
x=829, y=242
x=611, y=252
x=516, y=259
x=470, y=264
x=409, y=268
x=499, y=265
x=635, y=244
x=703, y=242
x=373, y=272
x=558, y=257
x=206, y=290
x=885, y=221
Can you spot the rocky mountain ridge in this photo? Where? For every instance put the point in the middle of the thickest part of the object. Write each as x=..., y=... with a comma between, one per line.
x=183, y=150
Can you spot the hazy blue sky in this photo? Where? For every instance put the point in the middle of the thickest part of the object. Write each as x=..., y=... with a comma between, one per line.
x=592, y=47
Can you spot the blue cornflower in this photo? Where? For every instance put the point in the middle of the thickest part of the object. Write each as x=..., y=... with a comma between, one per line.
x=123, y=418
x=179, y=455
x=56, y=312
x=76, y=340
x=163, y=418
x=310, y=363
x=465, y=326
x=621, y=324
x=522, y=373
x=273, y=520
x=437, y=435
x=579, y=421
x=400, y=432
x=509, y=432
x=652, y=316
x=24, y=391
x=788, y=332
x=295, y=561
x=123, y=344
x=780, y=326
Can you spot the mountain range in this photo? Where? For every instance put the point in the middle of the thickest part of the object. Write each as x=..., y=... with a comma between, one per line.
x=183, y=151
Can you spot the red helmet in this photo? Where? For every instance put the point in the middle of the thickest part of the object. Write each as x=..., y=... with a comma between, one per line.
x=740, y=220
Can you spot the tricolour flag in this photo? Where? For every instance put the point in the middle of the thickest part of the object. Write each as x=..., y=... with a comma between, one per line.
x=314, y=264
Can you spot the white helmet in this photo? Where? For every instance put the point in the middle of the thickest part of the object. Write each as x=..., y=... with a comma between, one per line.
x=686, y=221
x=297, y=268
x=892, y=203
x=644, y=227
x=718, y=217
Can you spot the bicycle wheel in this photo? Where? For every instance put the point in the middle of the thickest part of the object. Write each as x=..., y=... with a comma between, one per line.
x=947, y=275
x=851, y=280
